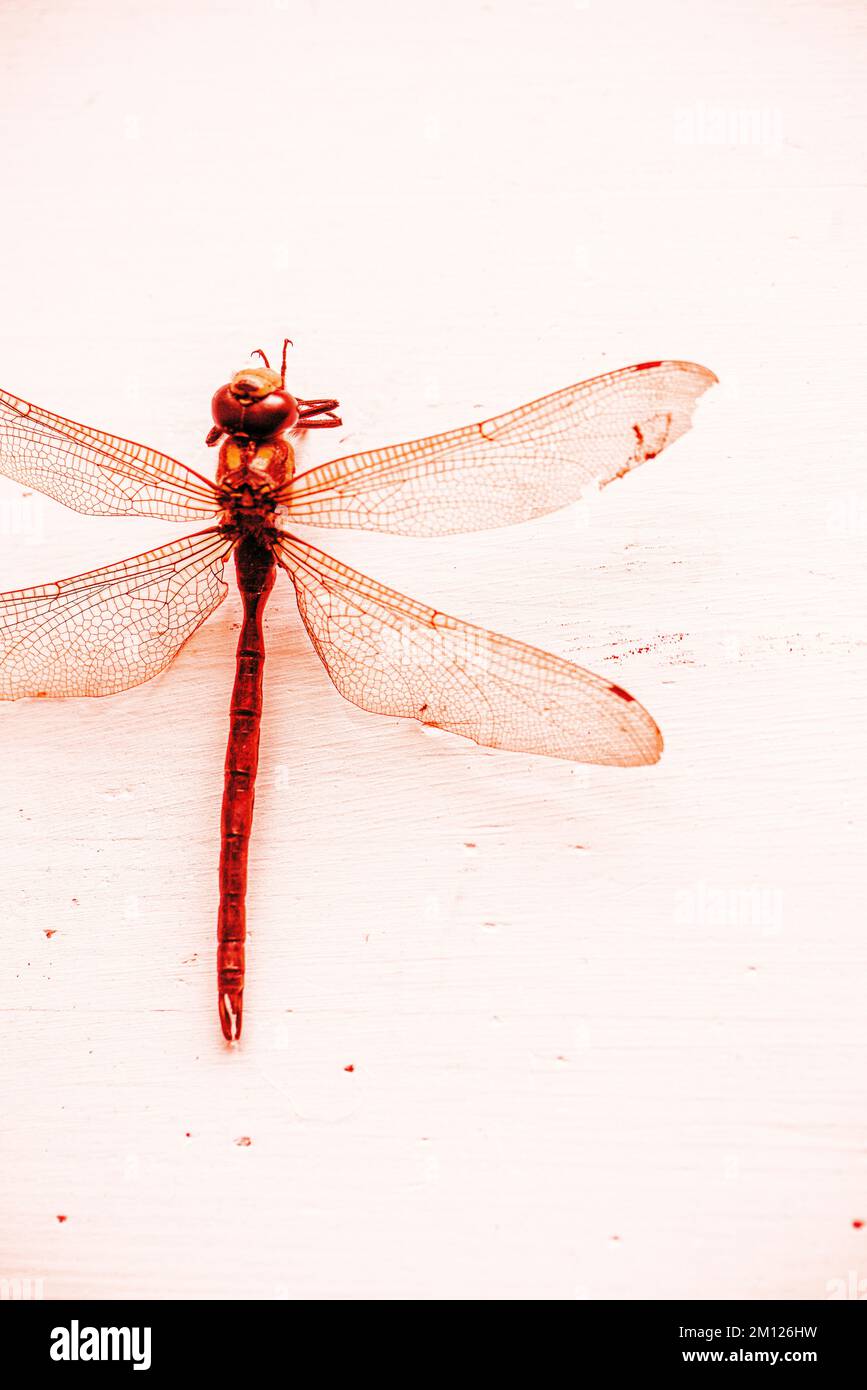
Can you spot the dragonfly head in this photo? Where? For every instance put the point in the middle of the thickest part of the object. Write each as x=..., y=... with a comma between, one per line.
x=254, y=405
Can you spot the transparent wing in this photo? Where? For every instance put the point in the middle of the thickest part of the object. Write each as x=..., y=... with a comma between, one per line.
x=94, y=472
x=392, y=655
x=101, y=632
x=532, y=460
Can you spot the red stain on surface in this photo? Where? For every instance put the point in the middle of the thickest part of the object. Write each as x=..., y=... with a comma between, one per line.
x=666, y=640
x=636, y=651
x=244, y=1142
x=349, y=1068
x=52, y=932
x=858, y=1225
x=61, y=1219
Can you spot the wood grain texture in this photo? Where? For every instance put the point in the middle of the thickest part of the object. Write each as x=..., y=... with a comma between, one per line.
x=606, y=1027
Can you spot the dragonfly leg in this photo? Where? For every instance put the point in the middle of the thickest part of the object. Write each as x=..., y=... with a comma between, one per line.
x=317, y=415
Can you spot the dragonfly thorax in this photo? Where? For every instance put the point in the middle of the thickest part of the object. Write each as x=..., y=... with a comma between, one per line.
x=250, y=475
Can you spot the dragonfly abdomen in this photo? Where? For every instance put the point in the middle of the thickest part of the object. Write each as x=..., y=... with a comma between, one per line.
x=255, y=569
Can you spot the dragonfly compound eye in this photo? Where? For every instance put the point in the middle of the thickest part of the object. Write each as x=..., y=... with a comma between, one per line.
x=254, y=406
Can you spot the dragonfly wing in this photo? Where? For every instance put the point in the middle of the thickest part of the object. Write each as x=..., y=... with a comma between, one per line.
x=529, y=461
x=94, y=472
x=104, y=631
x=392, y=655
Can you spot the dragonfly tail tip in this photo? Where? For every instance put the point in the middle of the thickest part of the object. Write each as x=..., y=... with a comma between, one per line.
x=231, y=1015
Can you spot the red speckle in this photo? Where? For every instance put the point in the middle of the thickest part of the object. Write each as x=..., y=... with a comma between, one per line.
x=187, y=1134
x=349, y=1068
x=858, y=1225
x=244, y=1142
x=61, y=1219
x=51, y=932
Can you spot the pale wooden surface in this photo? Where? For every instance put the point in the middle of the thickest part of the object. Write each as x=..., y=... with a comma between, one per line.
x=607, y=1028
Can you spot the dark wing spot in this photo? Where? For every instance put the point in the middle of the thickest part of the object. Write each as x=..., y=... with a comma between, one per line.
x=624, y=694
x=646, y=366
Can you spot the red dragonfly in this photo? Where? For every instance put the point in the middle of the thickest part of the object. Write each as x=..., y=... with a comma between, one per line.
x=114, y=627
